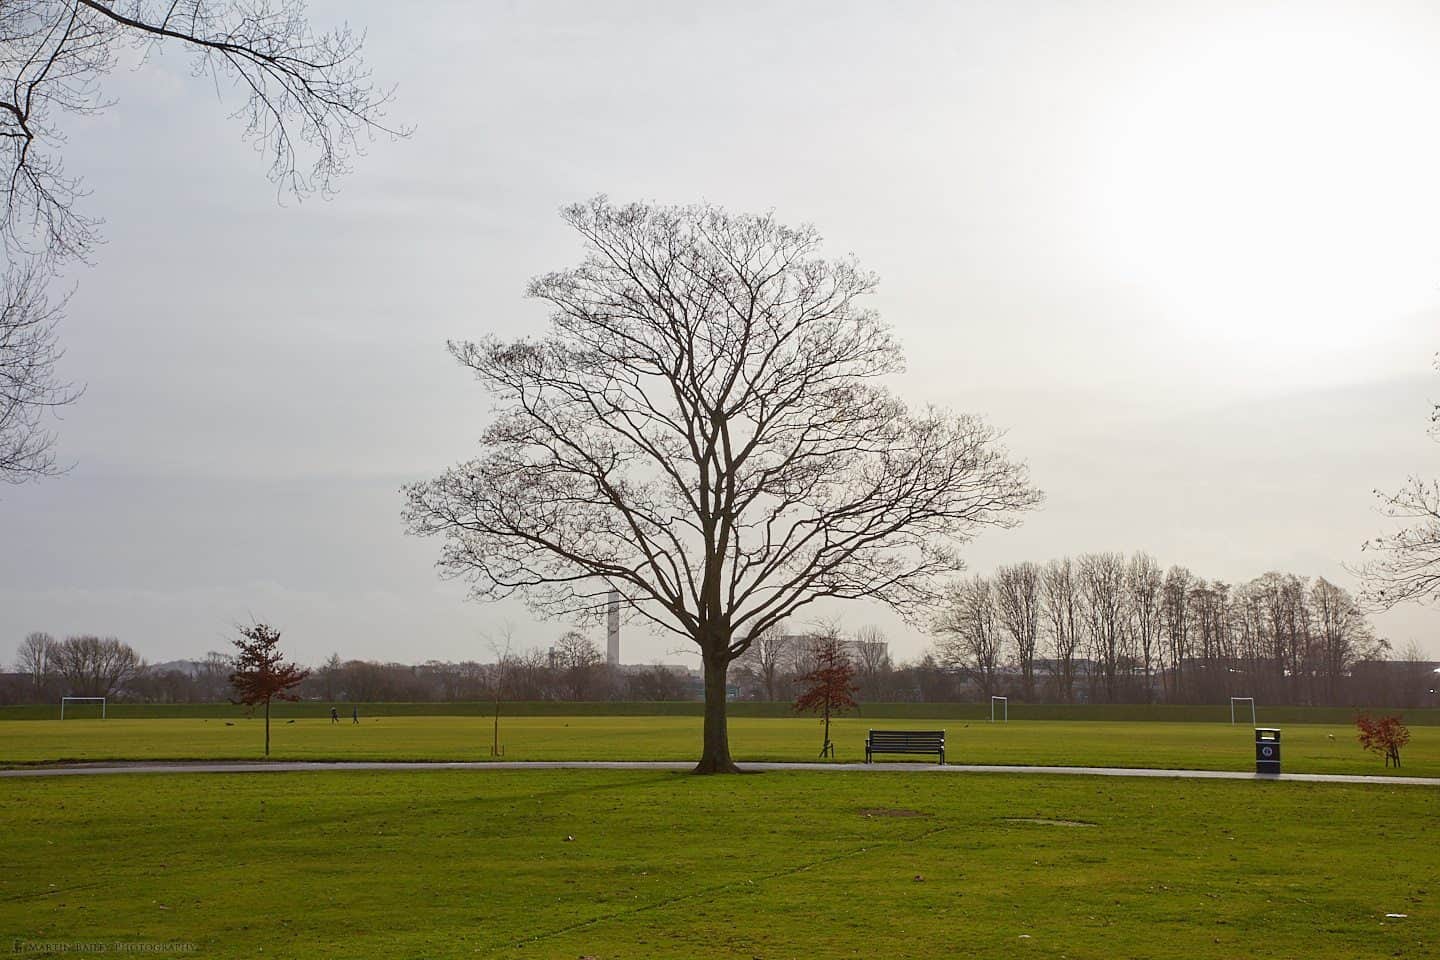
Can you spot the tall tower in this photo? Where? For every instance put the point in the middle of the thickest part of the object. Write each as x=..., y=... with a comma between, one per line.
x=612, y=631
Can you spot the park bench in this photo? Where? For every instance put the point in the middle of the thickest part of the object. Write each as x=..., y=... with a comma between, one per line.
x=905, y=741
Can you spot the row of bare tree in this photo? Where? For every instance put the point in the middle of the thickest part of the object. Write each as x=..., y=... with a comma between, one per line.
x=1098, y=628
x=571, y=669
x=774, y=664
x=82, y=666
x=1106, y=627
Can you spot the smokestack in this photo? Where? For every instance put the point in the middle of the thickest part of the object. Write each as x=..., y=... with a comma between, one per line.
x=612, y=632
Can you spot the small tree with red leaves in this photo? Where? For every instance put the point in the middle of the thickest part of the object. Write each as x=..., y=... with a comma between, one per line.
x=1383, y=735
x=261, y=673
x=830, y=687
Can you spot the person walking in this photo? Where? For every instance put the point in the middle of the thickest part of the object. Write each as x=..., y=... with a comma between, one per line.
x=355, y=715
x=334, y=715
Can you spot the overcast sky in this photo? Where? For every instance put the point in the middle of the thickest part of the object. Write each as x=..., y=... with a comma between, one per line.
x=1187, y=254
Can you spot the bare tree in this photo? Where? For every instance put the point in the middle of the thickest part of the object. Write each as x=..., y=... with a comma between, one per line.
x=37, y=658
x=212, y=675
x=1102, y=588
x=502, y=644
x=576, y=658
x=1274, y=641
x=1145, y=584
x=92, y=667
x=1017, y=598
x=765, y=659
x=1343, y=635
x=704, y=431
x=1063, y=620
x=1210, y=614
x=30, y=388
x=872, y=660
x=305, y=98
x=970, y=634
x=1406, y=563
x=1175, y=604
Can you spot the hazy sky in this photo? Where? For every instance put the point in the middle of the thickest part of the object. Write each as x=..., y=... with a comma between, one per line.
x=1188, y=254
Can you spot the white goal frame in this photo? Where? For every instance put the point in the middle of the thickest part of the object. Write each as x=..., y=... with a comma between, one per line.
x=65, y=700
x=1249, y=700
x=1006, y=713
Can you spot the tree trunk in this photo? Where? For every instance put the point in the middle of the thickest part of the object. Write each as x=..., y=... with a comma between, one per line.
x=267, y=726
x=715, y=756
x=495, y=735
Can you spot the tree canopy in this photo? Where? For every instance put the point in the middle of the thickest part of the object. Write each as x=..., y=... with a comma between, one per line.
x=707, y=429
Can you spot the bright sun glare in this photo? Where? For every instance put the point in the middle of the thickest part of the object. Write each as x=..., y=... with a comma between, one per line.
x=1240, y=191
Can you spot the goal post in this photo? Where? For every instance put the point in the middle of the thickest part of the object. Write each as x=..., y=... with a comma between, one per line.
x=1242, y=700
x=66, y=700
x=1004, y=709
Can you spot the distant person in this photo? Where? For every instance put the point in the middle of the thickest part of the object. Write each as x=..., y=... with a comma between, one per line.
x=334, y=715
x=354, y=714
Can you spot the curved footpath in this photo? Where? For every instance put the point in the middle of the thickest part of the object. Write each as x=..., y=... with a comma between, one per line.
x=304, y=766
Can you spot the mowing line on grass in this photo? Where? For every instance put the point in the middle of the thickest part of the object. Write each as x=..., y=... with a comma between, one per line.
x=719, y=887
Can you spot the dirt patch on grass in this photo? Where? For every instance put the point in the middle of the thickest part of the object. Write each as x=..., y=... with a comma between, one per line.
x=890, y=812
x=1047, y=822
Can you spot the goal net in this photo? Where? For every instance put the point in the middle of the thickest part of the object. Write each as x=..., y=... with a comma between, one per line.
x=1004, y=708
x=72, y=702
x=1242, y=701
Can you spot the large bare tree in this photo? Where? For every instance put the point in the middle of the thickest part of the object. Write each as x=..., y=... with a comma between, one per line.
x=30, y=387
x=706, y=430
x=304, y=96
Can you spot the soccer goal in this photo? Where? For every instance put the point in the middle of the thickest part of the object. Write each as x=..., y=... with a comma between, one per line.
x=1242, y=700
x=1004, y=709
x=66, y=700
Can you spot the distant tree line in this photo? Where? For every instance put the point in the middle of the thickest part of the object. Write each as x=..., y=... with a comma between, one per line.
x=1104, y=627
x=572, y=668
x=82, y=666
x=1098, y=628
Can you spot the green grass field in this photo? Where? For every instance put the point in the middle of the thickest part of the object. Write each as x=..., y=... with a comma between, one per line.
x=1306, y=747
x=778, y=865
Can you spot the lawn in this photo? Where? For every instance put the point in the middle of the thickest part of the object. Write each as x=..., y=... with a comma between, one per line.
x=612, y=864
x=1212, y=746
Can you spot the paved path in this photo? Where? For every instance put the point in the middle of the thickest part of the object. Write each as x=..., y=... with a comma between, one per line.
x=292, y=766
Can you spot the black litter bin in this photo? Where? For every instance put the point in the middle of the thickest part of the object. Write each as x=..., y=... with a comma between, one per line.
x=1267, y=750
